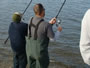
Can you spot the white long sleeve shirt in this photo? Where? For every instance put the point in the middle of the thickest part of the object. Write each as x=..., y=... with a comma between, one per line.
x=85, y=38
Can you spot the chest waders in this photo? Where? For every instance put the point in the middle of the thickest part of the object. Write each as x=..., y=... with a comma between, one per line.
x=37, y=49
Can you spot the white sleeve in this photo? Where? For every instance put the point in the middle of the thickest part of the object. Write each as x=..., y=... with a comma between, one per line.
x=57, y=35
x=85, y=38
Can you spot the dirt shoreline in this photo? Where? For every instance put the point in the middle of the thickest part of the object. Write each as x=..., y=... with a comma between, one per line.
x=6, y=60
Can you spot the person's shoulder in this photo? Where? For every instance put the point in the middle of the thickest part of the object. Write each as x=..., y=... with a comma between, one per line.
x=11, y=23
x=24, y=23
x=46, y=23
x=86, y=18
x=87, y=12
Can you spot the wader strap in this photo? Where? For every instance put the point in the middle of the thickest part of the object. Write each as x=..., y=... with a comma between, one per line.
x=29, y=28
x=36, y=28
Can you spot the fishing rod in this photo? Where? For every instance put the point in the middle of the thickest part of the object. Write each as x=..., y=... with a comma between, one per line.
x=27, y=7
x=59, y=21
x=22, y=15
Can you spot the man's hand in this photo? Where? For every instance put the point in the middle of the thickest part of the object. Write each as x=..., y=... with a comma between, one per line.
x=59, y=28
x=52, y=21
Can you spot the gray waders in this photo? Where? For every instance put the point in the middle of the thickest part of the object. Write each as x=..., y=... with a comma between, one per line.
x=37, y=49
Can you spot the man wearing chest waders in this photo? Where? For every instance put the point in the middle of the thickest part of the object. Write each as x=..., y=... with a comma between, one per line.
x=39, y=34
x=17, y=33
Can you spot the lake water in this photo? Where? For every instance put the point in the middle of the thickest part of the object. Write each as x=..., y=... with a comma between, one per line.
x=66, y=50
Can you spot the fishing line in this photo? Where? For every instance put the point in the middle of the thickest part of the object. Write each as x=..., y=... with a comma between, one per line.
x=59, y=21
x=22, y=15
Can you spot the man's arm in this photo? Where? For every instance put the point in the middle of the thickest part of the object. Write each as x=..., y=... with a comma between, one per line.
x=50, y=32
x=56, y=36
x=85, y=38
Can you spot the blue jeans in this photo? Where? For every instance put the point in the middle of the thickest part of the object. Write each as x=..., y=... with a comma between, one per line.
x=19, y=60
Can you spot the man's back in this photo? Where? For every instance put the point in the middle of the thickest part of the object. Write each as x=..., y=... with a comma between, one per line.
x=17, y=33
x=44, y=29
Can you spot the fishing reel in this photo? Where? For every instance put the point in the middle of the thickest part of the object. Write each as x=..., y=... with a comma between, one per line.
x=58, y=22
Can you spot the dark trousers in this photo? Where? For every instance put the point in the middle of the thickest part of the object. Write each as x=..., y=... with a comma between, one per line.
x=19, y=60
x=42, y=62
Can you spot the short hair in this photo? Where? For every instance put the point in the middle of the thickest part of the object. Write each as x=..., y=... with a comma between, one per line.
x=38, y=8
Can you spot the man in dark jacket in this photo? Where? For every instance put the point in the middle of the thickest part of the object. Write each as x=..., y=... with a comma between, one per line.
x=17, y=33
